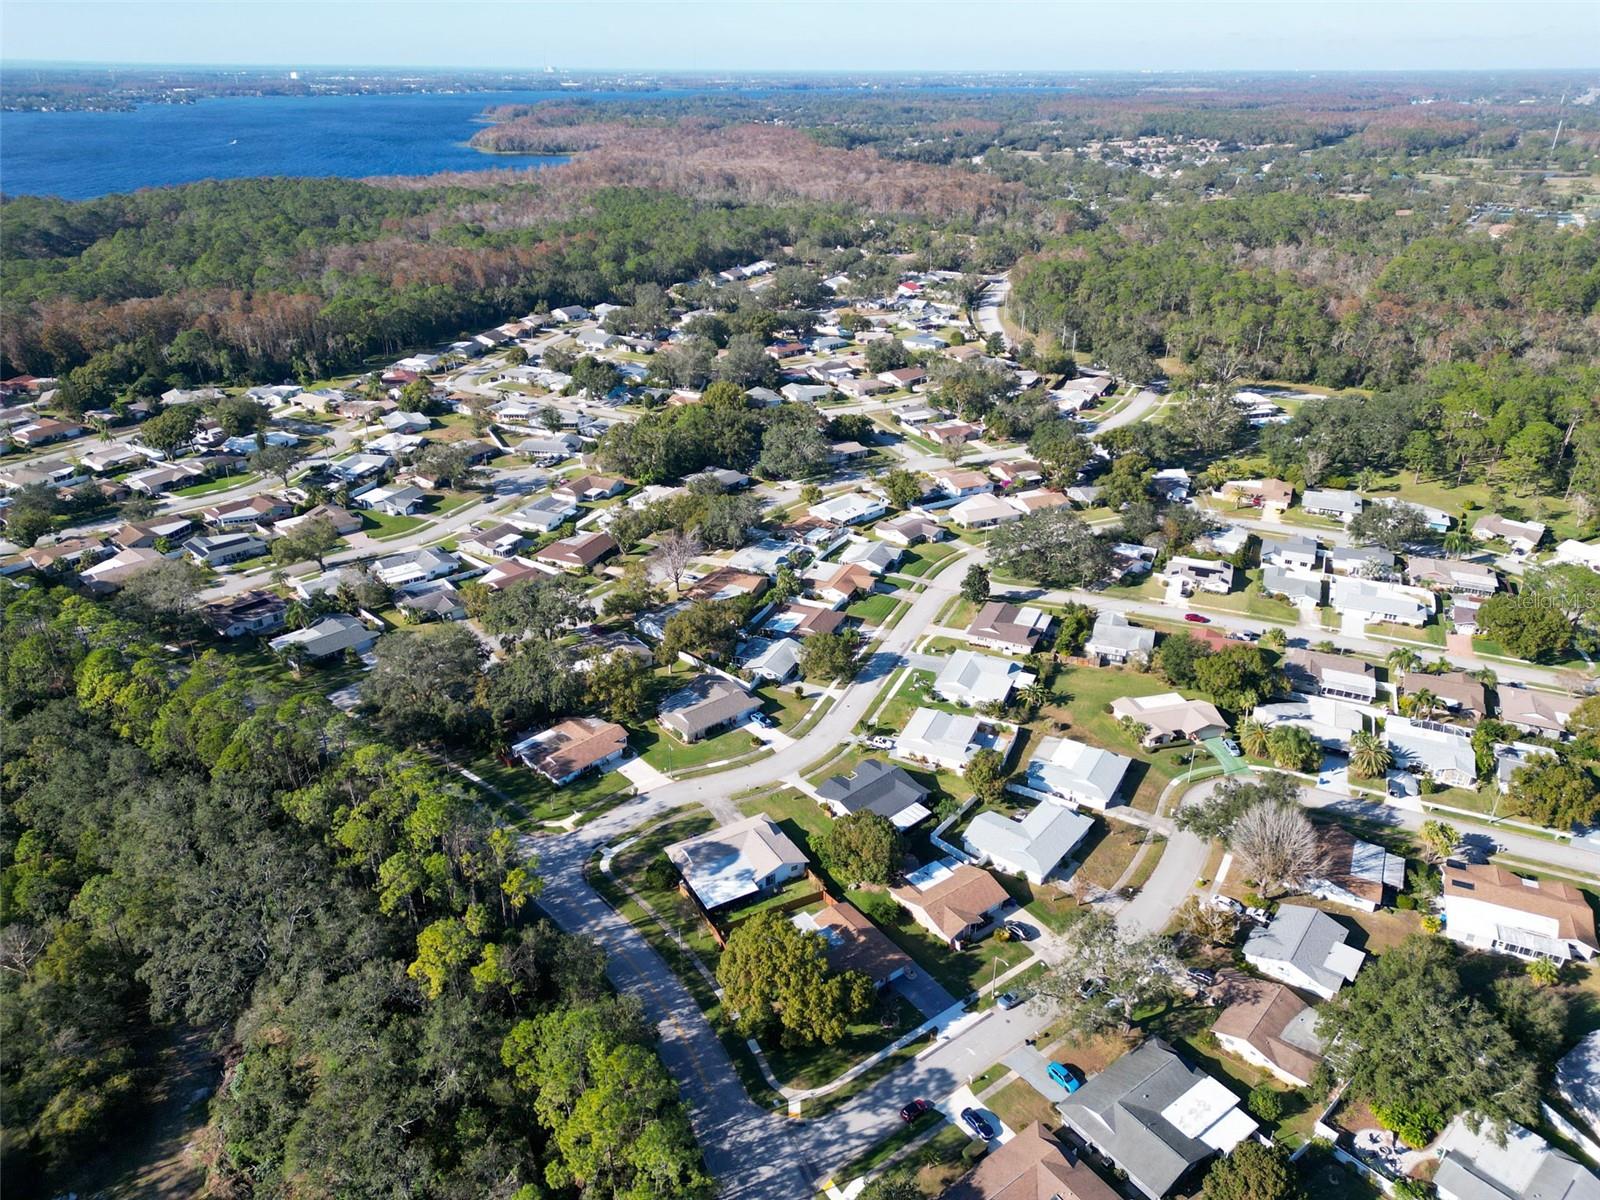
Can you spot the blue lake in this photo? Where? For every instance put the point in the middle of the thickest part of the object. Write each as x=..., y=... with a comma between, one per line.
x=82, y=154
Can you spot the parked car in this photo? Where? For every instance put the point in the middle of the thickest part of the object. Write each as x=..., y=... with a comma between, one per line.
x=1089, y=987
x=1009, y=1000
x=1197, y=618
x=1068, y=1077
x=761, y=719
x=1227, y=904
x=1201, y=977
x=978, y=1123
x=1023, y=933
x=1231, y=746
x=878, y=742
x=915, y=1109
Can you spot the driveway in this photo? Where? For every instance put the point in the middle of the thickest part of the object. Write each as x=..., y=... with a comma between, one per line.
x=642, y=775
x=962, y=1098
x=1032, y=1066
x=926, y=993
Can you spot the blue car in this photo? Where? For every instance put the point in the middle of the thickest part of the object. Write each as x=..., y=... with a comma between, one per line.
x=1067, y=1077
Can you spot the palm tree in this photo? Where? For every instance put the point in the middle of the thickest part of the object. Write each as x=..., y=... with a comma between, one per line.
x=1402, y=660
x=1459, y=542
x=1369, y=757
x=1292, y=748
x=1035, y=696
x=1424, y=703
x=1253, y=738
x=1275, y=638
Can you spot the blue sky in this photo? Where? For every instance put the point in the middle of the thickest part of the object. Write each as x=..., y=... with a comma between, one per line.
x=911, y=35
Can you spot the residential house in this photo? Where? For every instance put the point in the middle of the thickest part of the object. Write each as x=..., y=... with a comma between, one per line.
x=73, y=552
x=1452, y=575
x=247, y=613
x=110, y=458
x=844, y=584
x=1319, y=673
x=1583, y=554
x=1031, y=1166
x=1305, y=948
x=879, y=787
x=544, y=514
x=974, y=679
x=1299, y=586
x=735, y=862
x=1031, y=847
x=956, y=902
x=903, y=377
x=157, y=480
x=776, y=660
x=1008, y=628
x=1113, y=640
x=579, y=552
x=806, y=393
x=1272, y=496
x=240, y=514
x=495, y=542
x=436, y=599
x=1355, y=873
x=1074, y=773
x=1224, y=540
x=344, y=521
x=1375, y=600
x=707, y=705
x=1516, y=1164
x=849, y=508
x=394, y=500
x=1489, y=908
x=876, y=557
x=1536, y=712
x=1191, y=575
x=221, y=549
x=550, y=447
x=853, y=943
x=1370, y=561
x=1443, y=753
x=1036, y=500
x=983, y=512
x=571, y=747
x=1293, y=551
x=1339, y=504
x=1459, y=692
x=951, y=433
x=1269, y=1026
x=45, y=431
x=958, y=484
x=359, y=467
x=1509, y=758
x=1522, y=536
x=588, y=489
x=1578, y=1079
x=727, y=583
x=800, y=619
x=1169, y=718
x=908, y=529
x=945, y=739
x=1156, y=1118
x=111, y=573
x=415, y=566
x=1017, y=472
x=333, y=634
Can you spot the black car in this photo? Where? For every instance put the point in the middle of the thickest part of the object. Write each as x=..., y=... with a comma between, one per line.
x=1023, y=933
x=914, y=1110
x=978, y=1123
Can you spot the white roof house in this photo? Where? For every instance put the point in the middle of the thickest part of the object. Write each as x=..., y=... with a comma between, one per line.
x=1586, y=554
x=982, y=511
x=849, y=508
x=1170, y=718
x=1474, y=1166
x=1305, y=948
x=1337, y=503
x=1327, y=719
x=972, y=678
x=946, y=739
x=1491, y=908
x=332, y=635
x=1032, y=847
x=736, y=861
x=1117, y=641
x=1062, y=769
x=1374, y=600
x=876, y=557
x=1442, y=752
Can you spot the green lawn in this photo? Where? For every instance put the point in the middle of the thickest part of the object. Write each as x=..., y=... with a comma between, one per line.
x=1053, y=909
x=813, y=1066
x=1019, y=1105
x=381, y=526
x=669, y=754
x=217, y=485
x=782, y=705
x=920, y=560
x=914, y=692
x=1431, y=633
x=540, y=800
x=1559, y=514
x=874, y=609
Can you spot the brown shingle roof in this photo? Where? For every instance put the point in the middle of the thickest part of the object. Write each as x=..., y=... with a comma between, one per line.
x=576, y=744
x=857, y=944
x=1259, y=1014
x=1544, y=897
x=960, y=899
x=581, y=550
x=1031, y=1166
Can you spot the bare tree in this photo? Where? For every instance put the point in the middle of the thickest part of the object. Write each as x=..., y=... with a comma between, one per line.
x=673, y=553
x=1206, y=922
x=1277, y=846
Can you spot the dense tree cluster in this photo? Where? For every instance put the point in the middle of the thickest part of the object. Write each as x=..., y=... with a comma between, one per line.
x=184, y=842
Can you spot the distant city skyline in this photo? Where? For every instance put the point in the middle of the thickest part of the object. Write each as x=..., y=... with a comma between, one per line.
x=793, y=35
